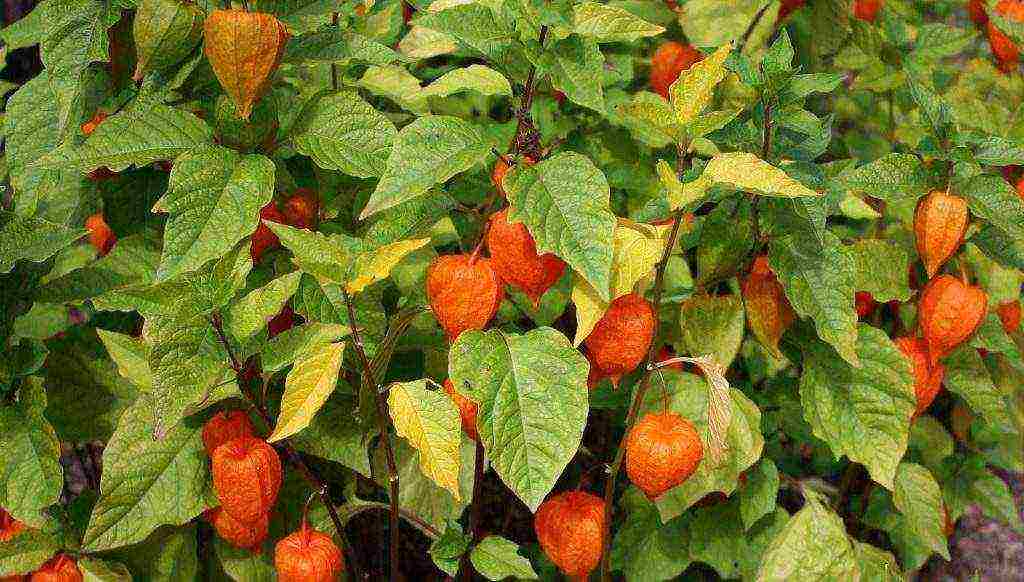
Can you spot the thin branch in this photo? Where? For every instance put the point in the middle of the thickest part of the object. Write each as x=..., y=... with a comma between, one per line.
x=475, y=510
x=370, y=382
x=290, y=453
x=417, y=521
x=766, y=133
x=613, y=475
x=750, y=29
x=524, y=127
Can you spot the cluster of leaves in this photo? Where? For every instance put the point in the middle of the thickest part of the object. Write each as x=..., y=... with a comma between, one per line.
x=808, y=139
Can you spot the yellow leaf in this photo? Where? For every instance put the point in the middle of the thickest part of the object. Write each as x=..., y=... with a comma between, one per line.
x=745, y=171
x=637, y=249
x=430, y=422
x=307, y=387
x=680, y=194
x=377, y=264
x=693, y=90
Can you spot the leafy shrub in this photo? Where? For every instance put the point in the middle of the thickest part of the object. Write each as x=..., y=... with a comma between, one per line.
x=277, y=279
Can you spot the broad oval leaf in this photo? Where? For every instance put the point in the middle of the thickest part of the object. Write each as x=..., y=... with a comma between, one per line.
x=532, y=393
x=605, y=23
x=31, y=477
x=429, y=420
x=917, y=496
x=747, y=172
x=251, y=313
x=496, y=558
x=308, y=385
x=478, y=78
x=695, y=87
x=342, y=132
x=813, y=546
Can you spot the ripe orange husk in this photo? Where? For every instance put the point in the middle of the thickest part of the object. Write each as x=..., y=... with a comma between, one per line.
x=238, y=534
x=90, y=126
x=501, y=167
x=467, y=410
x=1020, y=188
x=60, y=568
x=940, y=222
x=949, y=312
x=226, y=425
x=788, y=7
x=864, y=303
x=264, y=238
x=9, y=527
x=976, y=9
x=514, y=256
x=621, y=338
x=928, y=375
x=244, y=49
x=246, y=477
x=1006, y=53
x=769, y=313
x=669, y=60
x=867, y=9
x=1009, y=315
x=13, y=578
x=464, y=292
x=307, y=555
x=570, y=527
x=302, y=209
x=101, y=237
x=662, y=451
x=948, y=525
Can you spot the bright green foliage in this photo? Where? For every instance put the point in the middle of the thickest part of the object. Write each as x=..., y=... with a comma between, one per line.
x=280, y=264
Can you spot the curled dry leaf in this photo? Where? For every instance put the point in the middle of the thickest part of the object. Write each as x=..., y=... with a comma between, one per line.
x=940, y=222
x=244, y=49
x=662, y=451
x=1009, y=315
x=570, y=527
x=464, y=292
x=950, y=311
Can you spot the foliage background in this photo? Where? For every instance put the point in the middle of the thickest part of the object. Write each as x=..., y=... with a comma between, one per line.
x=819, y=134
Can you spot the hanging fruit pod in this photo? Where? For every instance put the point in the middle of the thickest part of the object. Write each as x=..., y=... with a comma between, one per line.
x=244, y=49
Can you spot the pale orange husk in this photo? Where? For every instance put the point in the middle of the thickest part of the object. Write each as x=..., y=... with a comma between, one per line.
x=244, y=49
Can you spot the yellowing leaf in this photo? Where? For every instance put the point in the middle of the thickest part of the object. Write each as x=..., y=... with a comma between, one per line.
x=307, y=387
x=637, y=250
x=748, y=172
x=430, y=422
x=680, y=194
x=375, y=265
x=693, y=90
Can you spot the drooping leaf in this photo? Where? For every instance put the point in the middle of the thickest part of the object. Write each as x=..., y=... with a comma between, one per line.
x=532, y=393
x=564, y=202
x=31, y=478
x=292, y=344
x=893, y=177
x=342, y=132
x=32, y=239
x=477, y=78
x=881, y=270
x=749, y=173
x=308, y=386
x=917, y=496
x=251, y=313
x=864, y=412
x=375, y=265
x=332, y=44
x=812, y=546
x=132, y=261
x=327, y=257
x=967, y=377
x=757, y=496
x=695, y=87
x=429, y=420
x=165, y=32
x=606, y=23
x=713, y=325
x=496, y=558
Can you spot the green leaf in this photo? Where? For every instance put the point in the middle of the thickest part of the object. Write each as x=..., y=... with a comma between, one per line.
x=421, y=495
x=1008, y=250
x=430, y=422
x=342, y=132
x=894, y=177
x=132, y=261
x=713, y=324
x=931, y=441
x=864, y=412
x=447, y=550
x=757, y=497
x=398, y=85
x=76, y=37
x=937, y=40
x=876, y=564
x=244, y=565
x=32, y=130
x=375, y=264
x=727, y=237
x=695, y=87
x=967, y=377
x=605, y=23
x=916, y=495
x=294, y=343
x=474, y=25
x=564, y=203
x=819, y=283
x=747, y=172
x=327, y=257
x=138, y=136
x=496, y=558
x=168, y=555
x=30, y=473
x=130, y=355
x=32, y=239
x=251, y=313
x=812, y=546
x=308, y=385
x=532, y=392
x=645, y=550
x=331, y=44
x=576, y=67
x=336, y=435
x=652, y=120
x=992, y=198
x=95, y=570
x=975, y=484
x=427, y=152
x=27, y=551
x=881, y=269
x=165, y=32
x=147, y=482
x=478, y=78
x=214, y=199
x=689, y=397
x=1000, y=283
